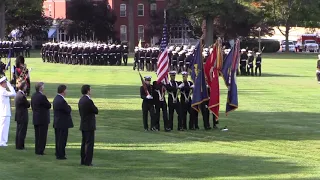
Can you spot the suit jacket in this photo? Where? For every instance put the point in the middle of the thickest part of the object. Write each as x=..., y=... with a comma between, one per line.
x=22, y=105
x=41, y=109
x=61, y=113
x=88, y=112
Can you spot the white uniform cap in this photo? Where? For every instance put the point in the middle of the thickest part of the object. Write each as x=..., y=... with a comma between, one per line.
x=243, y=50
x=184, y=73
x=258, y=53
x=147, y=77
x=3, y=79
x=172, y=72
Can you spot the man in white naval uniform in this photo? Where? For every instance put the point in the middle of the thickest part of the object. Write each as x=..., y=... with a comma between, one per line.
x=5, y=109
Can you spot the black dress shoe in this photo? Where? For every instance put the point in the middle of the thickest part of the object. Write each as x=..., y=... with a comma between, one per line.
x=207, y=128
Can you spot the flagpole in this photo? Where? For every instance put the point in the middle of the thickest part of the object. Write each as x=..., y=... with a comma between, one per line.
x=10, y=63
x=165, y=16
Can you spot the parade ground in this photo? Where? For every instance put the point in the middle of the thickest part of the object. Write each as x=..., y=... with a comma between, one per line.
x=273, y=135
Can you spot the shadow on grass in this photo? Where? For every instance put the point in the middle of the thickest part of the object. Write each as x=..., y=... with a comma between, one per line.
x=148, y=164
x=115, y=91
x=105, y=91
x=272, y=75
x=290, y=56
x=243, y=126
x=160, y=164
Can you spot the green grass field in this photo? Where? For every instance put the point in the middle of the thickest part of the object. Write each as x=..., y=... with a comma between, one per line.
x=275, y=133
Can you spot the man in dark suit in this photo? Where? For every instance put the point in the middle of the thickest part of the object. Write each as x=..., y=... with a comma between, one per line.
x=62, y=121
x=87, y=111
x=41, y=118
x=21, y=116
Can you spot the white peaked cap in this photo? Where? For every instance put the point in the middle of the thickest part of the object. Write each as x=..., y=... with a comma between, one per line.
x=3, y=79
x=184, y=73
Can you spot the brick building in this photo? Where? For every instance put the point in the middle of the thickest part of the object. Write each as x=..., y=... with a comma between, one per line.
x=132, y=18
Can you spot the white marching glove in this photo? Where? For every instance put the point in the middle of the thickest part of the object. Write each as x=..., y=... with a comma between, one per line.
x=181, y=85
x=192, y=86
x=149, y=97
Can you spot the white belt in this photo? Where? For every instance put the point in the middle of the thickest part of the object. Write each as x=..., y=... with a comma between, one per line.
x=173, y=97
x=161, y=96
x=185, y=97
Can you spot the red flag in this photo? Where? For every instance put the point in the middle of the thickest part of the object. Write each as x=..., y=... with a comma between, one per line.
x=208, y=67
x=212, y=68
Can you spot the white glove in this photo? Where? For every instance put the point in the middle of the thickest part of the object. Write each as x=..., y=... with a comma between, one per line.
x=181, y=85
x=149, y=97
x=192, y=86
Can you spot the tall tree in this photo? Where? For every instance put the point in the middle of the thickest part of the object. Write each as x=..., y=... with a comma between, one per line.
x=229, y=19
x=291, y=13
x=2, y=20
x=27, y=16
x=89, y=18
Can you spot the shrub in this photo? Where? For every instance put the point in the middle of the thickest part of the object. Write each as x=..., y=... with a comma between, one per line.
x=270, y=46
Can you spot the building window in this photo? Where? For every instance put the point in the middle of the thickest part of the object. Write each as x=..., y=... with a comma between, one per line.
x=140, y=10
x=153, y=7
x=123, y=33
x=141, y=32
x=123, y=10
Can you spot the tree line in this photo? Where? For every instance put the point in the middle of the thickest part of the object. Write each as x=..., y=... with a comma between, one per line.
x=223, y=18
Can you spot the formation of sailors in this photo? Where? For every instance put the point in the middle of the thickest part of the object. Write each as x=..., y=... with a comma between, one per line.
x=247, y=63
x=180, y=58
x=177, y=103
x=16, y=48
x=85, y=53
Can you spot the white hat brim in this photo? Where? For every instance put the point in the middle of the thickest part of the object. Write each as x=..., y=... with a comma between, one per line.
x=3, y=79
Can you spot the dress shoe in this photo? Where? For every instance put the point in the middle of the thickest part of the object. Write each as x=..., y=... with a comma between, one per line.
x=61, y=158
x=87, y=164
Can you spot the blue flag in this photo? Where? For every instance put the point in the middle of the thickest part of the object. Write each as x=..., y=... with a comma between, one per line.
x=9, y=58
x=200, y=92
x=229, y=71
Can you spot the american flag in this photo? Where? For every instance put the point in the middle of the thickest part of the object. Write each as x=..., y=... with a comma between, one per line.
x=163, y=60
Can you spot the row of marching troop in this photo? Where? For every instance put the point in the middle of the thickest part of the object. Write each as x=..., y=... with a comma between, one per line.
x=180, y=58
x=85, y=53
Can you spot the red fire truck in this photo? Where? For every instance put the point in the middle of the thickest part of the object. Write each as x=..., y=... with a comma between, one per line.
x=309, y=42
